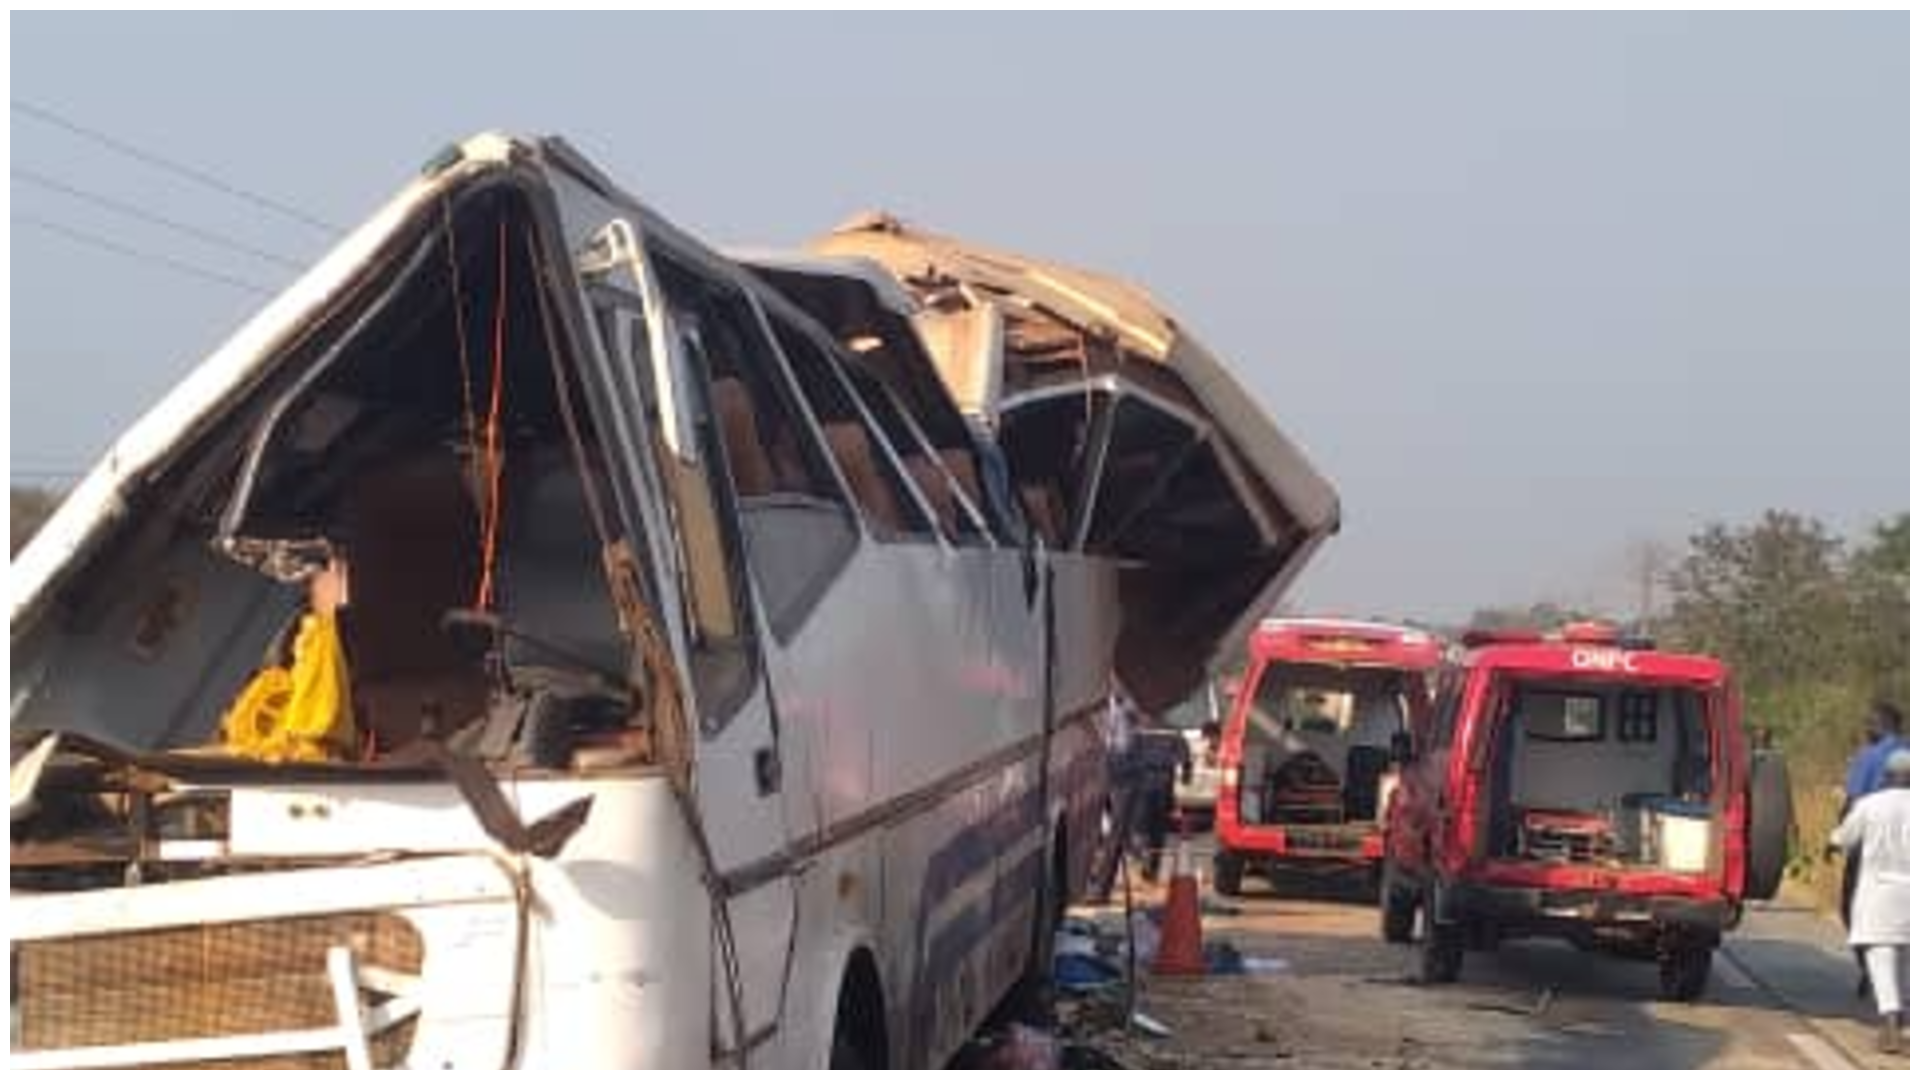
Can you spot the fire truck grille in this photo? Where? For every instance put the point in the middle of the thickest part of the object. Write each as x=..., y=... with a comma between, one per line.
x=206, y=981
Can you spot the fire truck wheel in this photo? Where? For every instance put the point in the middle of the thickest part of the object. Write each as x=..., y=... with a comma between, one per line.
x=1398, y=906
x=1684, y=968
x=1444, y=947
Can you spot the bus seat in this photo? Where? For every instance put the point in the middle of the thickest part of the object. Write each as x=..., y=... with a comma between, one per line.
x=412, y=546
x=959, y=462
x=753, y=471
x=853, y=451
x=938, y=493
x=1044, y=512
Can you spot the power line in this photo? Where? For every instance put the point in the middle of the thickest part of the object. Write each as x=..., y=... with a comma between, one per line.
x=199, y=176
x=138, y=254
x=48, y=183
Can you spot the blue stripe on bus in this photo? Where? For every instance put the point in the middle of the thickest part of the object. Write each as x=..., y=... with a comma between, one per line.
x=970, y=852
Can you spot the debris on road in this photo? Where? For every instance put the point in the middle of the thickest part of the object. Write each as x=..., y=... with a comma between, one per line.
x=1264, y=965
x=1078, y=974
x=1143, y=1022
x=1015, y=1046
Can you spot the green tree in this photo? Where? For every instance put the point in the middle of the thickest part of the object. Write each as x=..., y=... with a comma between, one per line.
x=1542, y=615
x=1770, y=597
x=1813, y=629
x=1881, y=597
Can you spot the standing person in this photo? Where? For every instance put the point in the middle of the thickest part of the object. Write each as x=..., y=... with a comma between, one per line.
x=1876, y=828
x=1884, y=733
x=1121, y=795
x=1160, y=758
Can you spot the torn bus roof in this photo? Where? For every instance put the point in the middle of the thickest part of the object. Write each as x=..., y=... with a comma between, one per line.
x=1038, y=298
x=88, y=512
x=1126, y=436
x=1095, y=301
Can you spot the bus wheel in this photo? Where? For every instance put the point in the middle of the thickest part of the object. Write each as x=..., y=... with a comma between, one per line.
x=860, y=1021
x=847, y=1054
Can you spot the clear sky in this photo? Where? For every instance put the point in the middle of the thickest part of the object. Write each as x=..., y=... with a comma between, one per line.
x=1528, y=288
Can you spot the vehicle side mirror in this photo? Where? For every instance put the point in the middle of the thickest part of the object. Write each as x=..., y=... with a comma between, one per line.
x=1401, y=748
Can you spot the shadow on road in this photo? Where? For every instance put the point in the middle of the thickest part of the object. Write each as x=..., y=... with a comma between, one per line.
x=1590, y=1009
x=1811, y=978
x=1336, y=883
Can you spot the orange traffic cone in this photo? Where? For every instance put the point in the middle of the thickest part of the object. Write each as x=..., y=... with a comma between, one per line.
x=1180, y=950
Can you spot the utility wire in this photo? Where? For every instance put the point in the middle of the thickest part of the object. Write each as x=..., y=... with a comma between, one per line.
x=126, y=209
x=148, y=157
x=178, y=266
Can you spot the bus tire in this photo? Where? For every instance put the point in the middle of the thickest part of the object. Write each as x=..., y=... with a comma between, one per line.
x=860, y=1020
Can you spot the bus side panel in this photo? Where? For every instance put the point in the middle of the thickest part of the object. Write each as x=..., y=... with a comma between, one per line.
x=959, y=910
x=907, y=700
x=1086, y=598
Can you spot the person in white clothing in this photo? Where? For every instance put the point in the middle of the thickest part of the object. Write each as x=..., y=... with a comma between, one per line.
x=1876, y=826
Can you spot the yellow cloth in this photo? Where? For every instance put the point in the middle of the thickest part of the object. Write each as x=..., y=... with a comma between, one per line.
x=302, y=713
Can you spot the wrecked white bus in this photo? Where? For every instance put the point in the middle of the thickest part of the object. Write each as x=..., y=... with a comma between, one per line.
x=717, y=683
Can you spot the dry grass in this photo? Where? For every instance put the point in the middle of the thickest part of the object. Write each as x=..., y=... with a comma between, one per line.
x=1811, y=878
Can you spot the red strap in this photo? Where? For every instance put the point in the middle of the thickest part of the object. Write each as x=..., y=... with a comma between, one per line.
x=490, y=534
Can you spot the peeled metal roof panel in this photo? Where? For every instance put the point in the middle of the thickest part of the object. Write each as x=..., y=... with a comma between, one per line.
x=1102, y=304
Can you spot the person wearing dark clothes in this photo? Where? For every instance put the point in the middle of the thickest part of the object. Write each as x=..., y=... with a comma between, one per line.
x=1142, y=761
x=1160, y=758
x=1118, y=733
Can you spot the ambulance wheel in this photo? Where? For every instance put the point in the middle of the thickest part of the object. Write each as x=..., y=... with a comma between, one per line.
x=1684, y=969
x=1227, y=872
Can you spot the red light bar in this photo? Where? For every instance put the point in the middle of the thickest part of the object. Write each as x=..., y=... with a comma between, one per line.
x=1343, y=643
x=1591, y=632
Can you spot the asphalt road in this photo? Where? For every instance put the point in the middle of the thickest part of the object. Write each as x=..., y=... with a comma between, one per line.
x=1780, y=997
